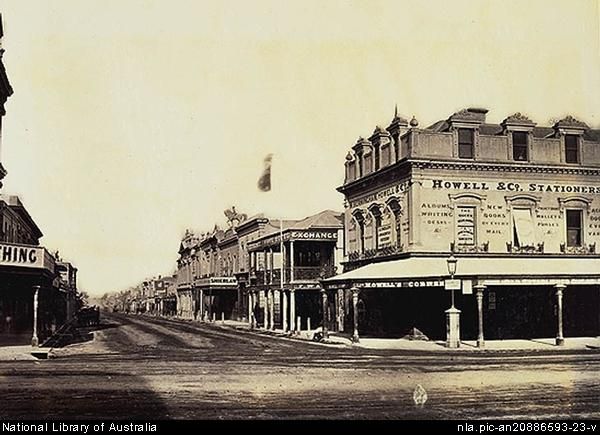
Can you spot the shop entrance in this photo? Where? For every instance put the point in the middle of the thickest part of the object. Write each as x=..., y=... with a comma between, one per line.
x=393, y=313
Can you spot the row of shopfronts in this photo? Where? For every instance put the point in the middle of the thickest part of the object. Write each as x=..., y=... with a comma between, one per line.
x=514, y=205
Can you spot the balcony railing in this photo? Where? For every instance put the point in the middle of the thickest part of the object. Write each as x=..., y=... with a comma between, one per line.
x=525, y=249
x=301, y=273
x=375, y=253
x=484, y=247
x=579, y=250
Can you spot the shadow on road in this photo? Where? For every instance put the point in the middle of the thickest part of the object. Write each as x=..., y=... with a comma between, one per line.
x=40, y=395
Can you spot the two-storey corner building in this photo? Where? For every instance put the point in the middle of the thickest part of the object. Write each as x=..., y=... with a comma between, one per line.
x=29, y=290
x=31, y=304
x=519, y=206
x=287, y=265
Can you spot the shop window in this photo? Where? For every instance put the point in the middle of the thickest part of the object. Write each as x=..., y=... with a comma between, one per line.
x=520, y=146
x=571, y=148
x=574, y=227
x=523, y=228
x=465, y=143
x=466, y=226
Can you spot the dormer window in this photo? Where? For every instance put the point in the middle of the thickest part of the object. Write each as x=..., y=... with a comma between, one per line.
x=465, y=143
x=520, y=146
x=571, y=148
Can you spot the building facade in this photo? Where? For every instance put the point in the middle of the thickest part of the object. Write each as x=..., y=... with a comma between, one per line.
x=34, y=300
x=287, y=266
x=518, y=205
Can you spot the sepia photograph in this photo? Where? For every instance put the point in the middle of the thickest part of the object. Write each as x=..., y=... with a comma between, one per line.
x=299, y=210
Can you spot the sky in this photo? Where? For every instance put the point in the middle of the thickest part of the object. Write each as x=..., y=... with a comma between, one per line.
x=133, y=120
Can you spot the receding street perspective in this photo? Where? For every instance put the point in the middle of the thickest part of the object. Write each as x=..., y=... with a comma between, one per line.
x=301, y=210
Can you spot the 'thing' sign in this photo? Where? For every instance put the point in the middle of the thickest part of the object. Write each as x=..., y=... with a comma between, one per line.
x=21, y=256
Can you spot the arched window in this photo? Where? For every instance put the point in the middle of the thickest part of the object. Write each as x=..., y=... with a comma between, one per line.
x=352, y=236
x=395, y=211
x=360, y=230
x=368, y=239
x=375, y=213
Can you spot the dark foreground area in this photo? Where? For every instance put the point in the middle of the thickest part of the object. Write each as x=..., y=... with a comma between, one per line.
x=150, y=368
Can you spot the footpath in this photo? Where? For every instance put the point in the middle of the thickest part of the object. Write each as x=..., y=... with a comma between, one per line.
x=541, y=346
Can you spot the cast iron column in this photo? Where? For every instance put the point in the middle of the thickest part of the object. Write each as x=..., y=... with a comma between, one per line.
x=284, y=310
x=479, y=294
x=266, y=309
x=355, y=291
x=324, y=303
x=34, y=338
x=293, y=310
x=560, y=340
x=272, y=308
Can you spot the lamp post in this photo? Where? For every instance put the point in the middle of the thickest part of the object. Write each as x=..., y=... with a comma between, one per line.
x=451, y=262
x=452, y=314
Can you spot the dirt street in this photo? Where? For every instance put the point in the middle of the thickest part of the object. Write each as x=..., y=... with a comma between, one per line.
x=150, y=368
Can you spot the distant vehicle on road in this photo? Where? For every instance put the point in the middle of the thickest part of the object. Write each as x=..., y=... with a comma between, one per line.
x=88, y=316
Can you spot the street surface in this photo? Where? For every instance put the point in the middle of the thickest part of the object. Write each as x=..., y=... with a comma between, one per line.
x=151, y=368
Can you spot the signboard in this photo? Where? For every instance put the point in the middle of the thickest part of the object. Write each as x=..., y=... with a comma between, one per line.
x=314, y=235
x=465, y=225
x=467, y=287
x=452, y=284
x=25, y=256
x=390, y=284
x=384, y=234
x=275, y=239
x=224, y=281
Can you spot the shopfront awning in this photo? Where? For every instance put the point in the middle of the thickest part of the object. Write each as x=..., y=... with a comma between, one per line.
x=431, y=271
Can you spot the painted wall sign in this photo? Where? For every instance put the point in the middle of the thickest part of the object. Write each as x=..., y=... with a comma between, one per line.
x=513, y=186
x=380, y=195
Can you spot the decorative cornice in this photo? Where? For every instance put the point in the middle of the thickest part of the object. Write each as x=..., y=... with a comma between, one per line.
x=518, y=118
x=466, y=115
x=571, y=122
x=499, y=167
x=399, y=121
x=361, y=143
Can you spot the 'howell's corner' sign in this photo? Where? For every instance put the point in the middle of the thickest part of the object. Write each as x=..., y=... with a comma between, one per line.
x=21, y=256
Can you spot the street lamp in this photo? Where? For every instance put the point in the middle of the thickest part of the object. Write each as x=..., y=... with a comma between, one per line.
x=451, y=262
x=452, y=314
